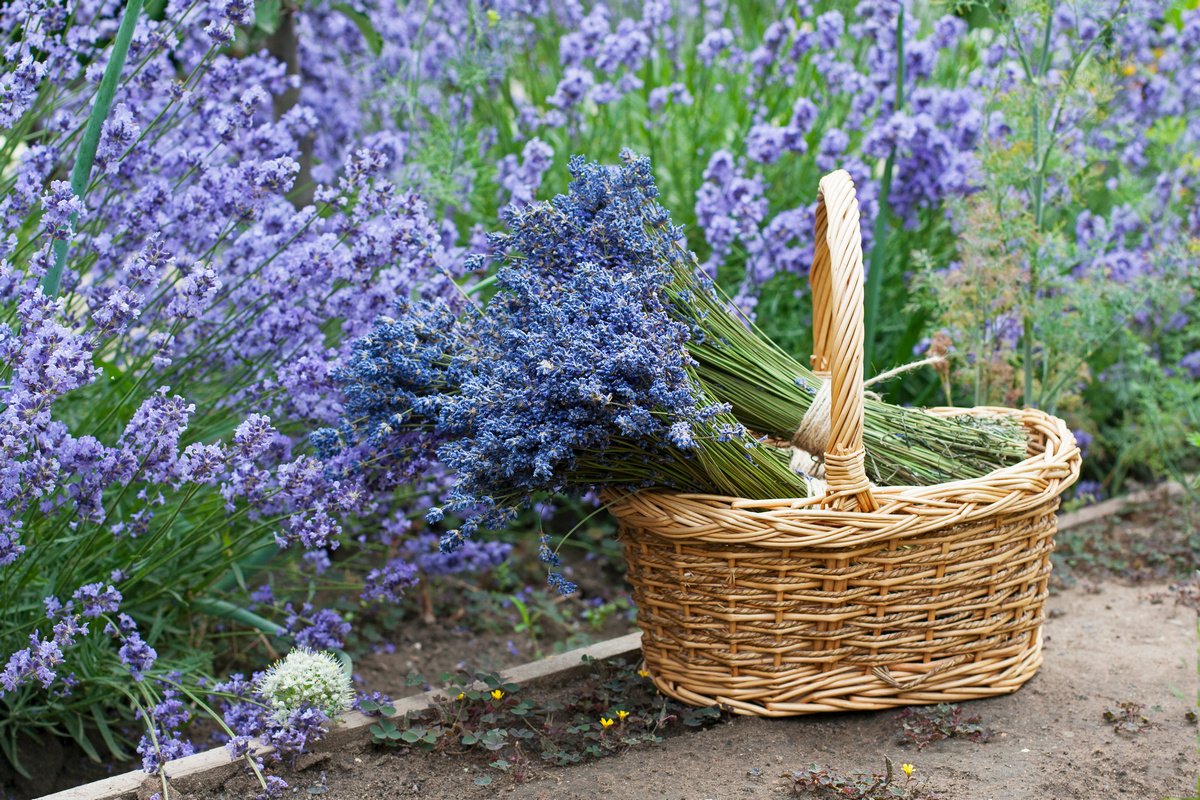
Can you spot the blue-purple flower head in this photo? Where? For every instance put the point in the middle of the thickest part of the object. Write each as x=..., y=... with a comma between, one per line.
x=393, y=386
x=580, y=373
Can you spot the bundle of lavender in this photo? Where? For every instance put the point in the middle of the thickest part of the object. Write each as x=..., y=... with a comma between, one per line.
x=769, y=390
x=566, y=381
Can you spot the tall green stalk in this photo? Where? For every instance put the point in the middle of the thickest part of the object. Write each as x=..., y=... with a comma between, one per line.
x=877, y=277
x=1041, y=156
x=86, y=154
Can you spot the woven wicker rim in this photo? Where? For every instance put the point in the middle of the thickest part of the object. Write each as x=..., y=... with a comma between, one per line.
x=852, y=512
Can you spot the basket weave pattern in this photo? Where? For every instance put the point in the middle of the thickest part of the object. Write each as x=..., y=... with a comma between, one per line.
x=865, y=597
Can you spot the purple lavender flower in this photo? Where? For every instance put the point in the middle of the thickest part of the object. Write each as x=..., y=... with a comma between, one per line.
x=322, y=629
x=120, y=131
x=1190, y=363
x=294, y=735
x=1084, y=440
x=388, y=583
x=39, y=661
x=167, y=717
x=626, y=48
x=522, y=179
x=10, y=543
x=476, y=556
x=252, y=438
x=660, y=96
x=60, y=208
x=96, y=599
x=18, y=88
x=571, y=89
x=1089, y=492
x=713, y=44
x=765, y=143
x=137, y=656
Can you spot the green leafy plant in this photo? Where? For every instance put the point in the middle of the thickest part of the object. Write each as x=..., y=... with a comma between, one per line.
x=822, y=782
x=921, y=726
x=1128, y=717
x=1069, y=284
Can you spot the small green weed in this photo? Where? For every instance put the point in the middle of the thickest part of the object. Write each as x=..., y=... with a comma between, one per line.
x=1128, y=717
x=822, y=782
x=928, y=724
x=1137, y=546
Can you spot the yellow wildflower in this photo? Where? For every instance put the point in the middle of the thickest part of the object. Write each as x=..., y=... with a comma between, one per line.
x=497, y=694
x=461, y=695
x=643, y=673
x=908, y=769
x=622, y=714
x=493, y=17
x=605, y=722
x=1129, y=70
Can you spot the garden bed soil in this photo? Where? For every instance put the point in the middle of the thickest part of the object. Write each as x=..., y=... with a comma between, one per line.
x=428, y=651
x=1116, y=634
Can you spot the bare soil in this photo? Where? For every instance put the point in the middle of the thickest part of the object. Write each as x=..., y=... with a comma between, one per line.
x=1115, y=634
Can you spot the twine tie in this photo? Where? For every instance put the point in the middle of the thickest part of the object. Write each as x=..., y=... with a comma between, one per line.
x=812, y=435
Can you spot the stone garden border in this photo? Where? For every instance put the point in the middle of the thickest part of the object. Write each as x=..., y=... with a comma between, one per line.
x=210, y=764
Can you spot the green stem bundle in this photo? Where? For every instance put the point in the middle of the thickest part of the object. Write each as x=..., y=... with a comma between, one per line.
x=770, y=392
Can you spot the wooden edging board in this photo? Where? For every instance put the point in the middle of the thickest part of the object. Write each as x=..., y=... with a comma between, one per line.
x=563, y=665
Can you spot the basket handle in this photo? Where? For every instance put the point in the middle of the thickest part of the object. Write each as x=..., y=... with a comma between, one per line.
x=836, y=278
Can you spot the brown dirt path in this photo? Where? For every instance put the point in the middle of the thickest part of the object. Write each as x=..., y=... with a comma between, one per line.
x=1105, y=644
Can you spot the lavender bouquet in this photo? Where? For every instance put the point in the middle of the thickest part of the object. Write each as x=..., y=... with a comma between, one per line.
x=769, y=390
x=563, y=382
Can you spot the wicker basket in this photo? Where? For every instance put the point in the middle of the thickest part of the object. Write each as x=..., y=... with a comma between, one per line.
x=865, y=597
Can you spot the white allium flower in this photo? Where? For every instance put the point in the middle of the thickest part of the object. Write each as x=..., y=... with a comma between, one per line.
x=306, y=678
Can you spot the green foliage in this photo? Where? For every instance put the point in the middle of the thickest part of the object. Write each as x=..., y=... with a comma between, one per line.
x=364, y=25
x=921, y=726
x=1025, y=312
x=817, y=781
x=1153, y=544
x=86, y=154
x=1128, y=717
x=266, y=15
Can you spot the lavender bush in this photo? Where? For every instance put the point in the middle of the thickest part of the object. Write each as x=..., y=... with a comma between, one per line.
x=740, y=105
x=1077, y=257
x=156, y=393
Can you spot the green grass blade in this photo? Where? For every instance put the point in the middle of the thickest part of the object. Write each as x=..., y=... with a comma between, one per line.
x=74, y=725
x=86, y=156
x=227, y=610
x=8, y=746
x=347, y=663
x=106, y=733
x=364, y=24
x=877, y=278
